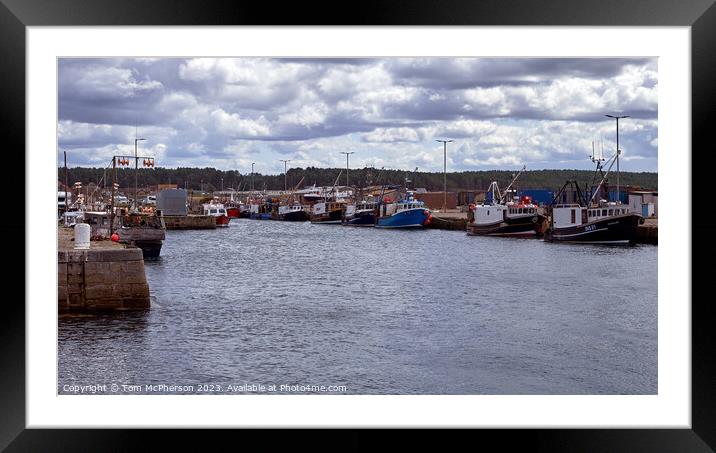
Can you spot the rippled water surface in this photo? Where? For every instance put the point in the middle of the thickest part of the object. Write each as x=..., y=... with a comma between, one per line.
x=379, y=312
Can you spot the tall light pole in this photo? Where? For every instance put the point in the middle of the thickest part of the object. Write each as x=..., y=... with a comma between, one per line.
x=252, y=176
x=136, y=172
x=66, y=182
x=618, y=150
x=285, y=185
x=444, y=142
x=347, y=154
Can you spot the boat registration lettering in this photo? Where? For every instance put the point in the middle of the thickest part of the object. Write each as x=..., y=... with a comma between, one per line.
x=590, y=228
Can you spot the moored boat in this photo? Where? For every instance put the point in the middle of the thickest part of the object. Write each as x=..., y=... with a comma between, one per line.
x=594, y=223
x=328, y=212
x=292, y=213
x=143, y=230
x=406, y=213
x=591, y=221
x=218, y=211
x=500, y=217
x=362, y=214
x=259, y=211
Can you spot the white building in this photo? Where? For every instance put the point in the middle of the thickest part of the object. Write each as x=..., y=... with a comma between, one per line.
x=645, y=203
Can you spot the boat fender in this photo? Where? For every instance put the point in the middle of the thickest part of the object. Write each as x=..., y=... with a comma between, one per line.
x=641, y=221
x=472, y=207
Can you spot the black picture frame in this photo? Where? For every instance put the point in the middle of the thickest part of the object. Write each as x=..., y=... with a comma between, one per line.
x=700, y=15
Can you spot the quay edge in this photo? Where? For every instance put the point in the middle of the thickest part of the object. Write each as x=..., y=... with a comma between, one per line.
x=101, y=279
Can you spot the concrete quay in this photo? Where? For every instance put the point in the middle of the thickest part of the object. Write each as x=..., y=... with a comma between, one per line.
x=648, y=232
x=190, y=222
x=449, y=220
x=106, y=277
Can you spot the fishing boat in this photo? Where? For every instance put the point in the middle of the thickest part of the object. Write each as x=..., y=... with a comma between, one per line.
x=143, y=230
x=329, y=209
x=292, y=213
x=406, y=213
x=498, y=217
x=328, y=212
x=259, y=210
x=361, y=214
x=591, y=221
x=234, y=209
x=218, y=211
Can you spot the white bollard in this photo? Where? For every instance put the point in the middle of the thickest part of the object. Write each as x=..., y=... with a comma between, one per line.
x=82, y=236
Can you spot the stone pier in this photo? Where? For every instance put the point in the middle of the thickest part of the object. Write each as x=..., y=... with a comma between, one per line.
x=105, y=277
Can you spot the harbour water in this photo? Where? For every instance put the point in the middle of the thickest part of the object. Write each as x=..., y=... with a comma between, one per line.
x=371, y=311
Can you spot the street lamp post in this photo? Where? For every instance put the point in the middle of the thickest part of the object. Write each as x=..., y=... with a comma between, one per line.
x=66, y=182
x=444, y=142
x=618, y=150
x=347, y=154
x=136, y=172
x=285, y=184
x=252, y=176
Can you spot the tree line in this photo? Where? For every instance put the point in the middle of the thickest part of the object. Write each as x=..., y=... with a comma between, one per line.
x=210, y=179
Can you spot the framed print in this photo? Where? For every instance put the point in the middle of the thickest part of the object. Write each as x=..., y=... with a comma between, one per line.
x=400, y=120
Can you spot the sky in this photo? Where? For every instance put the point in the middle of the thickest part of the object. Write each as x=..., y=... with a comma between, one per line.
x=501, y=113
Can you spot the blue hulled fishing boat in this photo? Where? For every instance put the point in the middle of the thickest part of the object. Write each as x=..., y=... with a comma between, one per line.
x=406, y=213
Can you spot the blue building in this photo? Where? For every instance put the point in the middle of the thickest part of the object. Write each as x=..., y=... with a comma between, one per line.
x=539, y=196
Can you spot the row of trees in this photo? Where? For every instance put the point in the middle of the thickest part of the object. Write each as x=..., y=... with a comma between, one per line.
x=211, y=179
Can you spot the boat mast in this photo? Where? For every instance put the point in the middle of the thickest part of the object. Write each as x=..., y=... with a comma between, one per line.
x=613, y=159
x=512, y=182
x=495, y=189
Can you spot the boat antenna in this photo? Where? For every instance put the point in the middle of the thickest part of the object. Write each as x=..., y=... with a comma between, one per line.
x=613, y=159
x=507, y=190
x=597, y=158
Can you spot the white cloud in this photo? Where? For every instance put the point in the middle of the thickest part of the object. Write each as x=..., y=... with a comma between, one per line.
x=230, y=111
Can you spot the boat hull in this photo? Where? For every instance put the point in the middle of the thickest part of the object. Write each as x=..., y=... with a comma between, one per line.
x=150, y=249
x=363, y=219
x=148, y=238
x=613, y=230
x=222, y=221
x=333, y=217
x=260, y=216
x=525, y=226
x=295, y=216
x=411, y=218
x=233, y=213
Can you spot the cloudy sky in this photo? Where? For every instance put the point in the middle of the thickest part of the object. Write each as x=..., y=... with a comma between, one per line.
x=230, y=112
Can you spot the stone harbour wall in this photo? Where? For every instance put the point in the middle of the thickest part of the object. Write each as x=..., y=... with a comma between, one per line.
x=190, y=222
x=103, y=279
